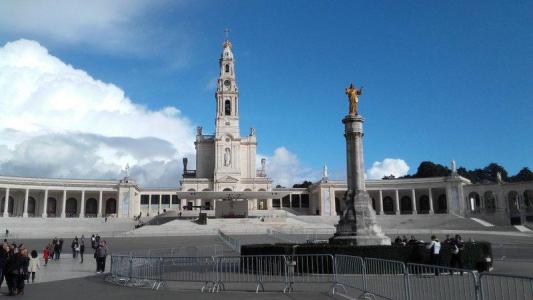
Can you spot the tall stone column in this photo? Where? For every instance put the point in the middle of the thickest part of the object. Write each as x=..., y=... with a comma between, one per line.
x=431, y=211
x=413, y=198
x=357, y=225
x=45, y=204
x=82, y=208
x=381, y=202
x=100, y=200
x=6, y=204
x=150, y=204
x=25, y=211
x=63, y=207
x=396, y=202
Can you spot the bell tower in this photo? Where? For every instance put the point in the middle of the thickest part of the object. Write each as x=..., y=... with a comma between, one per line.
x=227, y=95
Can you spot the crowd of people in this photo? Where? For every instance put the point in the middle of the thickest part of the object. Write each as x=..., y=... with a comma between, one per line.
x=456, y=245
x=19, y=266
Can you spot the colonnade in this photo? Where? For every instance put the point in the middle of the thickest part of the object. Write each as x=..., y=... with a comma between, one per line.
x=9, y=196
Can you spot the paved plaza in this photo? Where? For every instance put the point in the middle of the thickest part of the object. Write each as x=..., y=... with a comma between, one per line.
x=68, y=279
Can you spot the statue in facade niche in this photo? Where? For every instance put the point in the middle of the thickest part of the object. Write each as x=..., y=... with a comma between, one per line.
x=227, y=157
x=252, y=131
x=199, y=130
x=353, y=97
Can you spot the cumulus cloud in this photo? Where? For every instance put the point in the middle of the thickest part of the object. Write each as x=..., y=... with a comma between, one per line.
x=285, y=168
x=389, y=166
x=59, y=121
x=121, y=26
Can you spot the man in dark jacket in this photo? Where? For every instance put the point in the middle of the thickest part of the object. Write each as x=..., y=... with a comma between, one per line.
x=3, y=257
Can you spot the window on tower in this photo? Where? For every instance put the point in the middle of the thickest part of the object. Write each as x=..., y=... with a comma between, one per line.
x=227, y=68
x=227, y=108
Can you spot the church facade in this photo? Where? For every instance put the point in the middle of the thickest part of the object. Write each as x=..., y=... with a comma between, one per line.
x=226, y=182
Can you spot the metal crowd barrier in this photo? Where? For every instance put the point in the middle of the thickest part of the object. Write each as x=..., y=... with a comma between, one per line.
x=233, y=243
x=501, y=286
x=251, y=269
x=371, y=277
x=436, y=282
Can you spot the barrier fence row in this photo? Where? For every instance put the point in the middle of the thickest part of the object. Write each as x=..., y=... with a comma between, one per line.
x=339, y=274
x=233, y=243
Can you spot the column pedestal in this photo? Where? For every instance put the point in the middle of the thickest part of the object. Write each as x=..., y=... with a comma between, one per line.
x=357, y=225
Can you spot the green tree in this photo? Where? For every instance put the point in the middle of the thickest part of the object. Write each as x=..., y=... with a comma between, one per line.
x=430, y=169
x=523, y=175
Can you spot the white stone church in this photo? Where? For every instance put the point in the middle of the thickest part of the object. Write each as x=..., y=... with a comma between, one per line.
x=226, y=183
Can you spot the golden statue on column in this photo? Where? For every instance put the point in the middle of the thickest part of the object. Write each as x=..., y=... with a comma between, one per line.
x=353, y=97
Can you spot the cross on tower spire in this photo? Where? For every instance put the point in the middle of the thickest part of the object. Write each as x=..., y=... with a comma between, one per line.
x=226, y=34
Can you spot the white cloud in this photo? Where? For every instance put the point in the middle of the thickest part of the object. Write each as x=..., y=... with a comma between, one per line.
x=285, y=168
x=389, y=166
x=121, y=26
x=59, y=121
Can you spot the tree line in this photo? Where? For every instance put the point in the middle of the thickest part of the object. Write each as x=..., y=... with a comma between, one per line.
x=487, y=174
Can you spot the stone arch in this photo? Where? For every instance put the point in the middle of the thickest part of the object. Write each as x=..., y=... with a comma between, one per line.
x=373, y=204
x=71, y=207
x=528, y=199
x=191, y=190
x=10, y=205
x=338, y=206
x=474, y=201
x=513, y=204
x=227, y=190
x=110, y=206
x=442, y=204
x=51, y=207
x=31, y=206
x=388, y=205
x=226, y=68
x=489, y=201
x=406, y=205
x=423, y=204
x=91, y=207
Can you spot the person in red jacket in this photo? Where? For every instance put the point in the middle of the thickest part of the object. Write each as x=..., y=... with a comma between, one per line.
x=46, y=255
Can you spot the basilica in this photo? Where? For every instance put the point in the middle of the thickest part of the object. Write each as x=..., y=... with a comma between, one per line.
x=227, y=183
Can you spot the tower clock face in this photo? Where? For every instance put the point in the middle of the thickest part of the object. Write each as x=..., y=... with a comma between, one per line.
x=227, y=82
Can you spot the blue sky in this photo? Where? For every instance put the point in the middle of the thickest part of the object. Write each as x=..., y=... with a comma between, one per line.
x=442, y=80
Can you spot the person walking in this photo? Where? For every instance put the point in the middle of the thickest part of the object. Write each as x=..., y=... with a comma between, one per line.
x=23, y=262
x=82, y=248
x=57, y=250
x=3, y=258
x=33, y=266
x=74, y=246
x=434, y=247
x=46, y=255
x=458, y=246
x=101, y=254
x=61, y=245
x=10, y=270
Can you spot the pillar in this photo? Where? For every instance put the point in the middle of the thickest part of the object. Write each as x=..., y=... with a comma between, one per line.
x=290, y=200
x=300, y=202
x=269, y=204
x=397, y=202
x=45, y=204
x=381, y=212
x=430, y=202
x=159, y=210
x=82, y=208
x=6, y=203
x=100, y=200
x=198, y=202
x=254, y=204
x=25, y=211
x=150, y=204
x=170, y=201
x=63, y=207
x=413, y=198
x=183, y=203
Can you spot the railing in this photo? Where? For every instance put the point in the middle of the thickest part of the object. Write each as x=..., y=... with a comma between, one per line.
x=189, y=173
x=233, y=243
x=302, y=236
x=368, y=278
